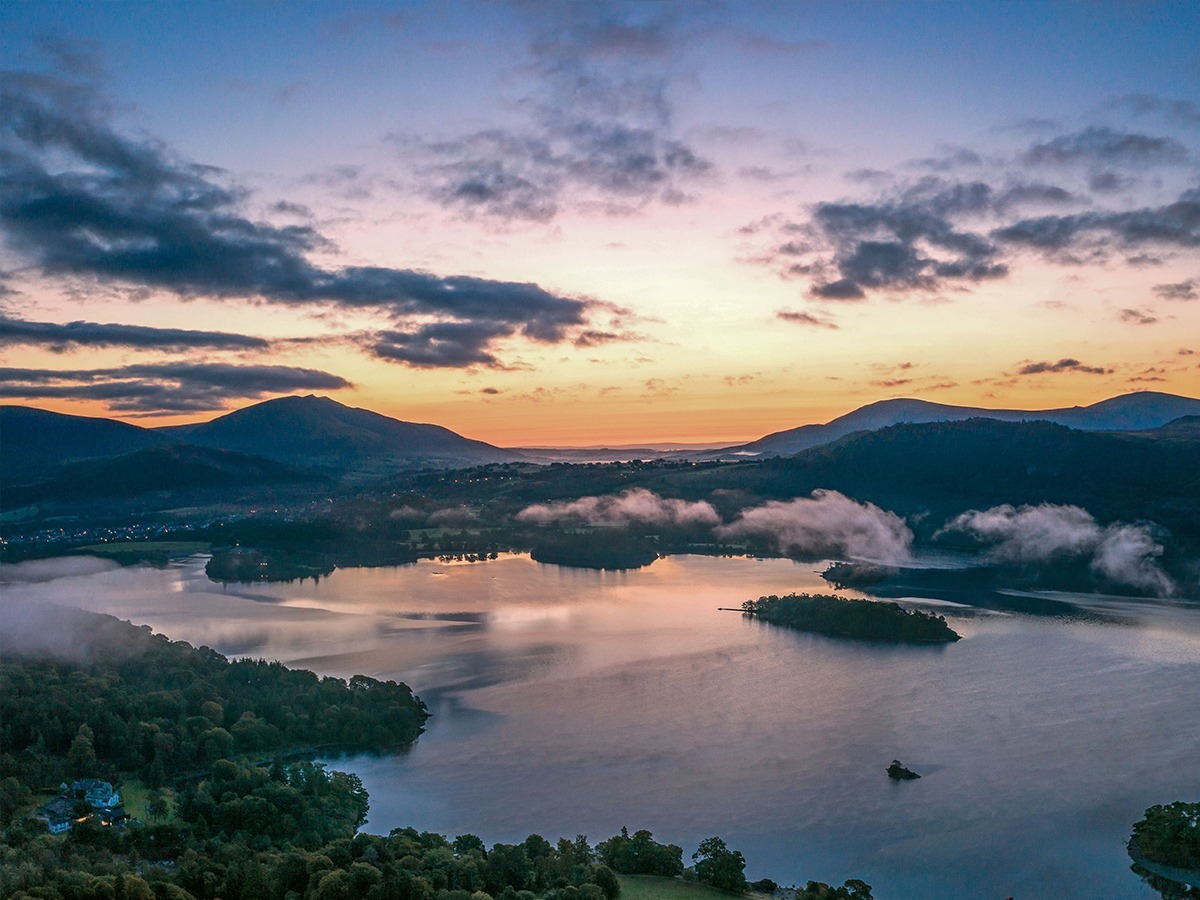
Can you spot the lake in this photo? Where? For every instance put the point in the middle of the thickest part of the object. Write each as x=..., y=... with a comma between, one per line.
x=572, y=702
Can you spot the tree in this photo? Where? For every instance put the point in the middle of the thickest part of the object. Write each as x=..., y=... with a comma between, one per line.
x=158, y=804
x=81, y=758
x=719, y=866
x=607, y=882
x=13, y=796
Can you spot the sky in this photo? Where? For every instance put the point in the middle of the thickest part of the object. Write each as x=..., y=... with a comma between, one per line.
x=597, y=223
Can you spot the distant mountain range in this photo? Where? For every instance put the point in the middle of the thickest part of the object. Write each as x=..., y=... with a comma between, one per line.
x=313, y=433
x=1136, y=411
x=293, y=439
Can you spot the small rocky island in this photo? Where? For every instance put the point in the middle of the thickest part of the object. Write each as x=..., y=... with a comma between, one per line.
x=897, y=771
x=866, y=620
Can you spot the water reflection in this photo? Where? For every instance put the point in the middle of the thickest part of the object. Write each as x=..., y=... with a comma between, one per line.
x=568, y=701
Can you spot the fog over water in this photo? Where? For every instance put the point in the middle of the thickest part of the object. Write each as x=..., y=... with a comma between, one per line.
x=569, y=701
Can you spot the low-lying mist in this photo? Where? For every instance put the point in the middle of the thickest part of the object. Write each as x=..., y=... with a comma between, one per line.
x=829, y=524
x=826, y=524
x=633, y=506
x=1122, y=553
x=37, y=571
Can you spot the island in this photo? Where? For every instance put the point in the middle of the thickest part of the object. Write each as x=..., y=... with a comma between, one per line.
x=1165, y=849
x=866, y=620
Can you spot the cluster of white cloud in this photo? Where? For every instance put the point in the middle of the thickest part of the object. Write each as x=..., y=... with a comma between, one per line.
x=636, y=505
x=1127, y=554
x=827, y=524
x=830, y=524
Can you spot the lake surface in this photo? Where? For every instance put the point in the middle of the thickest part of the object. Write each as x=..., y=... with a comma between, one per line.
x=574, y=702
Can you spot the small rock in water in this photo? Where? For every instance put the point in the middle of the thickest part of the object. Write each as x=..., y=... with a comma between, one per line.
x=899, y=772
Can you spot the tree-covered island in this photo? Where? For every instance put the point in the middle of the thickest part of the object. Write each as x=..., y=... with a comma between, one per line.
x=1165, y=848
x=866, y=620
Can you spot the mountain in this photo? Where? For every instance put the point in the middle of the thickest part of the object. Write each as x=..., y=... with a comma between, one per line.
x=34, y=442
x=934, y=470
x=176, y=468
x=318, y=431
x=1129, y=412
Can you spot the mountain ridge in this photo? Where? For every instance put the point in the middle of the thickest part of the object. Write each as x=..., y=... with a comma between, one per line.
x=313, y=430
x=36, y=441
x=1135, y=411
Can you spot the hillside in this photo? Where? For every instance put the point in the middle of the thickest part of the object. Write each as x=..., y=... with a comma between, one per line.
x=34, y=442
x=1141, y=410
x=947, y=467
x=318, y=431
x=176, y=468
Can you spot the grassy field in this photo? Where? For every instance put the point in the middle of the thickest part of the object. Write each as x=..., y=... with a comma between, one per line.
x=651, y=887
x=134, y=795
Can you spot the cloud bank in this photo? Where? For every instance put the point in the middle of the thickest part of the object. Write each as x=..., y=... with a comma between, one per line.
x=165, y=387
x=61, y=337
x=637, y=505
x=1126, y=554
x=79, y=200
x=828, y=524
x=951, y=223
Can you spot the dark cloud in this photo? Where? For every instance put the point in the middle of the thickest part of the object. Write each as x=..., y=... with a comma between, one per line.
x=805, y=318
x=1137, y=317
x=938, y=233
x=1179, y=290
x=909, y=244
x=1105, y=146
x=1173, y=225
x=593, y=337
x=77, y=199
x=597, y=131
x=1063, y=365
x=164, y=387
x=1109, y=182
x=1185, y=112
x=59, y=337
x=1035, y=193
x=842, y=289
x=438, y=345
x=923, y=236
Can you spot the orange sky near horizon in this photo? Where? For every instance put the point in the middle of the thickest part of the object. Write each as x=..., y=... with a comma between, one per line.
x=598, y=225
